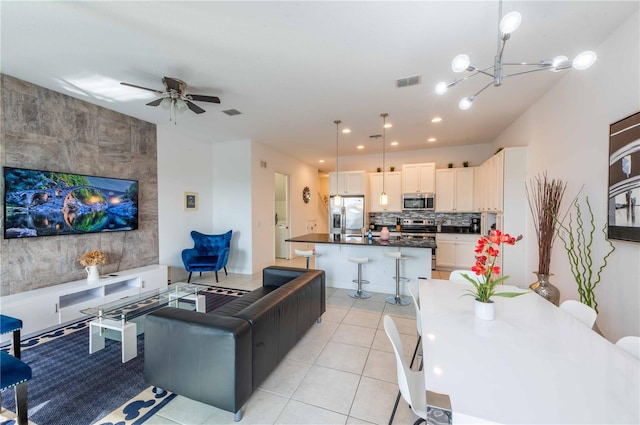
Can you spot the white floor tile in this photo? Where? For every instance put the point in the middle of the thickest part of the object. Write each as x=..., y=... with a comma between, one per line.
x=345, y=357
x=297, y=413
x=356, y=421
x=186, y=411
x=374, y=400
x=307, y=349
x=354, y=335
x=322, y=331
x=328, y=388
x=334, y=313
x=381, y=365
x=362, y=318
x=286, y=377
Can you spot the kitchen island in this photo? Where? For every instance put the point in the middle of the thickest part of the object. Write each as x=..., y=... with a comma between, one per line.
x=334, y=251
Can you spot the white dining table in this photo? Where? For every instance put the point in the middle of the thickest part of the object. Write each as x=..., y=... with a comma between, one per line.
x=533, y=364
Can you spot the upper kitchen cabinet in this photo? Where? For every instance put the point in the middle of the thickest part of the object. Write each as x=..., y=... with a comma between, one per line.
x=455, y=190
x=489, y=186
x=348, y=183
x=419, y=178
x=393, y=188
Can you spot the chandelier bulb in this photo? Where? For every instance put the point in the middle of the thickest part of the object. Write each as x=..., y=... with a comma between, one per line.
x=466, y=103
x=441, y=88
x=584, y=60
x=460, y=63
x=510, y=22
x=559, y=63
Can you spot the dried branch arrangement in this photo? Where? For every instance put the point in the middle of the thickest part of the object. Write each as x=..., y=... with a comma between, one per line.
x=544, y=197
x=92, y=258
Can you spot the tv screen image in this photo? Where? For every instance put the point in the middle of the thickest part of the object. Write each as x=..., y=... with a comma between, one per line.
x=47, y=203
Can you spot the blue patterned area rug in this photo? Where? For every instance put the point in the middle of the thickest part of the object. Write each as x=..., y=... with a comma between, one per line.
x=72, y=387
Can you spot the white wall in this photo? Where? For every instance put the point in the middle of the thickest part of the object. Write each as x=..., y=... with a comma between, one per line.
x=263, y=207
x=232, y=192
x=183, y=166
x=567, y=135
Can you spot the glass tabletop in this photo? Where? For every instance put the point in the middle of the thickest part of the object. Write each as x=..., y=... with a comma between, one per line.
x=144, y=303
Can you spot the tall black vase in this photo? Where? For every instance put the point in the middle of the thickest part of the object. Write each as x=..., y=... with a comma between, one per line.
x=545, y=289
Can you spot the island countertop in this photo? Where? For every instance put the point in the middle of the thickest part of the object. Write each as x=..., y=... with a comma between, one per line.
x=327, y=238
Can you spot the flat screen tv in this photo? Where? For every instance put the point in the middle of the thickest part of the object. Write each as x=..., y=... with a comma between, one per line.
x=48, y=203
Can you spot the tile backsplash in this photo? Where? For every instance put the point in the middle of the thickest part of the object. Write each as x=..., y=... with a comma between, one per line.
x=445, y=219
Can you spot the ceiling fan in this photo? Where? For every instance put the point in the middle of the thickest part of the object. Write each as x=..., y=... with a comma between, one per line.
x=174, y=96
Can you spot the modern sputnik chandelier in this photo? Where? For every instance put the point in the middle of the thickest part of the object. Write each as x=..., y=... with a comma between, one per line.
x=508, y=23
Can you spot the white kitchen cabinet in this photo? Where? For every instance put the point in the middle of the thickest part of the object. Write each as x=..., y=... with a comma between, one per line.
x=419, y=178
x=455, y=251
x=393, y=188
x=489, y=188
x=348, y=183
x=455, y=190
x=44, y=308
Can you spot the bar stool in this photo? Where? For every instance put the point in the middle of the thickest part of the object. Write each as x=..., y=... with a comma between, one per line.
x=307, y=254
x=359, y=293
x=397, y=299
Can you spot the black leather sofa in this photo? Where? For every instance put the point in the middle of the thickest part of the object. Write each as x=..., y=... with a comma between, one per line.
x=220, y=358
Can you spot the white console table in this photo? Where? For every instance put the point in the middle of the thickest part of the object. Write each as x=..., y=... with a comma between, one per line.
x=52, y=306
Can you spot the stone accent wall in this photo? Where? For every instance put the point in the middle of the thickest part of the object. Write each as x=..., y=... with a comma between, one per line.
x=45, y=130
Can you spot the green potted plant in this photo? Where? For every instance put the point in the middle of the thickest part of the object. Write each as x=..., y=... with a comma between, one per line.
x=487, y=252
x=392, y=168
x=465, y=164
x=450, y=165
x=578, y=240
x=378, y=169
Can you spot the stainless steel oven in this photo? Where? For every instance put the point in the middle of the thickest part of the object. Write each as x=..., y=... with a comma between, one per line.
x=420, y=229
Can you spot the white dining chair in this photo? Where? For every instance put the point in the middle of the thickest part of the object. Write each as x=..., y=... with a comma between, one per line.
x=416, y=305
x=456, y=276
x=630, y=344
x=580, y=311
x=410, y=382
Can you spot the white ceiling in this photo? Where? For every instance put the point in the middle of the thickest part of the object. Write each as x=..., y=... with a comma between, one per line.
x=292, y=68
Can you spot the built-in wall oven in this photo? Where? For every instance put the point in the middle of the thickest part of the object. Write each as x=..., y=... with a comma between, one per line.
x=421, y=229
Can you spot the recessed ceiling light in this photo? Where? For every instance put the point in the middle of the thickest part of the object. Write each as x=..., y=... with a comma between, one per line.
x=346, y=130
x=394, y=143
x=321, y=161
x=360, y=147
x=431, y=139
x=436, y=119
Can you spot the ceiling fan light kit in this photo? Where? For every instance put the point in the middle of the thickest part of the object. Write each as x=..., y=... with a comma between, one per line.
x=175, y=99
x=508, y=24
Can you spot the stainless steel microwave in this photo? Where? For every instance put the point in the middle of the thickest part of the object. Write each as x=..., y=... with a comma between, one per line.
x=418, y=201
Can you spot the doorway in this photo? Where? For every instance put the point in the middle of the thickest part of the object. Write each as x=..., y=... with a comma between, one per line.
x=282, y=219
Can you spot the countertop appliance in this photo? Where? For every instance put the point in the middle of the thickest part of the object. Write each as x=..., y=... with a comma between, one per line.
x=421, y=229
x=418, y=201
x=475, y=225
x=348, y=217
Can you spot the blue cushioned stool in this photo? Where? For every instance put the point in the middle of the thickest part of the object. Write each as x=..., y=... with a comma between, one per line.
x=11, y=324
x=15, y=373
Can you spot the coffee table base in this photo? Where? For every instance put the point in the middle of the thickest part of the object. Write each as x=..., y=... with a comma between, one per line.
x=127, y=331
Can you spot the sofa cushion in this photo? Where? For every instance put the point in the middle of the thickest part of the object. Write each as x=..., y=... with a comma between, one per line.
x=239, y=304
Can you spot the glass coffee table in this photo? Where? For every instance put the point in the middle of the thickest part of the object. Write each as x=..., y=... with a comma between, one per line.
x=117, y=320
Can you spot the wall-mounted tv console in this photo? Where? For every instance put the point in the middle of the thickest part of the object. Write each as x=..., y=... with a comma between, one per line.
x=53, y=306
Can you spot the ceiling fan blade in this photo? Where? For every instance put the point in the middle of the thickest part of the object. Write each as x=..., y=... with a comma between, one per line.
x=171, y=84
x=143, y=88
x=155, y=102
x=201, y=98
x=195, y=108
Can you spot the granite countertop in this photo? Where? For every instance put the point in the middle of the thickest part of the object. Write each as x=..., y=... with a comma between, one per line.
x=359, y=240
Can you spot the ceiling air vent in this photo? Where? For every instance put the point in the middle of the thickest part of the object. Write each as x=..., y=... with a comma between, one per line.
x=232, y=112
x=408, y=81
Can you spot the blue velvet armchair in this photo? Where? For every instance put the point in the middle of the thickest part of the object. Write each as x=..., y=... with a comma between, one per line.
x=209, y=254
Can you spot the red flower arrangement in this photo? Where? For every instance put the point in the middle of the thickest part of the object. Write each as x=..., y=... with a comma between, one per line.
x=487, y=252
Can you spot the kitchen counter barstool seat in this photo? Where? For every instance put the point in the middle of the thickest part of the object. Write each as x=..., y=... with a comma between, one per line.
x=359, y=293
x=306, y=253
x=397, y=299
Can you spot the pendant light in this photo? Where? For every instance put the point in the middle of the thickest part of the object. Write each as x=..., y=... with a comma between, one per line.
x=337, y=199
x=384, y=200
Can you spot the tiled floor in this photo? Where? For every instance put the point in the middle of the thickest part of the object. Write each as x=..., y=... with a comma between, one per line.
x=342, y=372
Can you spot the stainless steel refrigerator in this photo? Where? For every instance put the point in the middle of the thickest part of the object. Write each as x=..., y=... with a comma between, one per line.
x=348, y=217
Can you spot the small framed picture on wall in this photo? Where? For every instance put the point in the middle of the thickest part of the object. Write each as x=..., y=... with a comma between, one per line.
x=190, y=201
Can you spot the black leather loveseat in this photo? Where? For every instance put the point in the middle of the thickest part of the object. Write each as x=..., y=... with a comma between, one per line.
x=220, y=358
